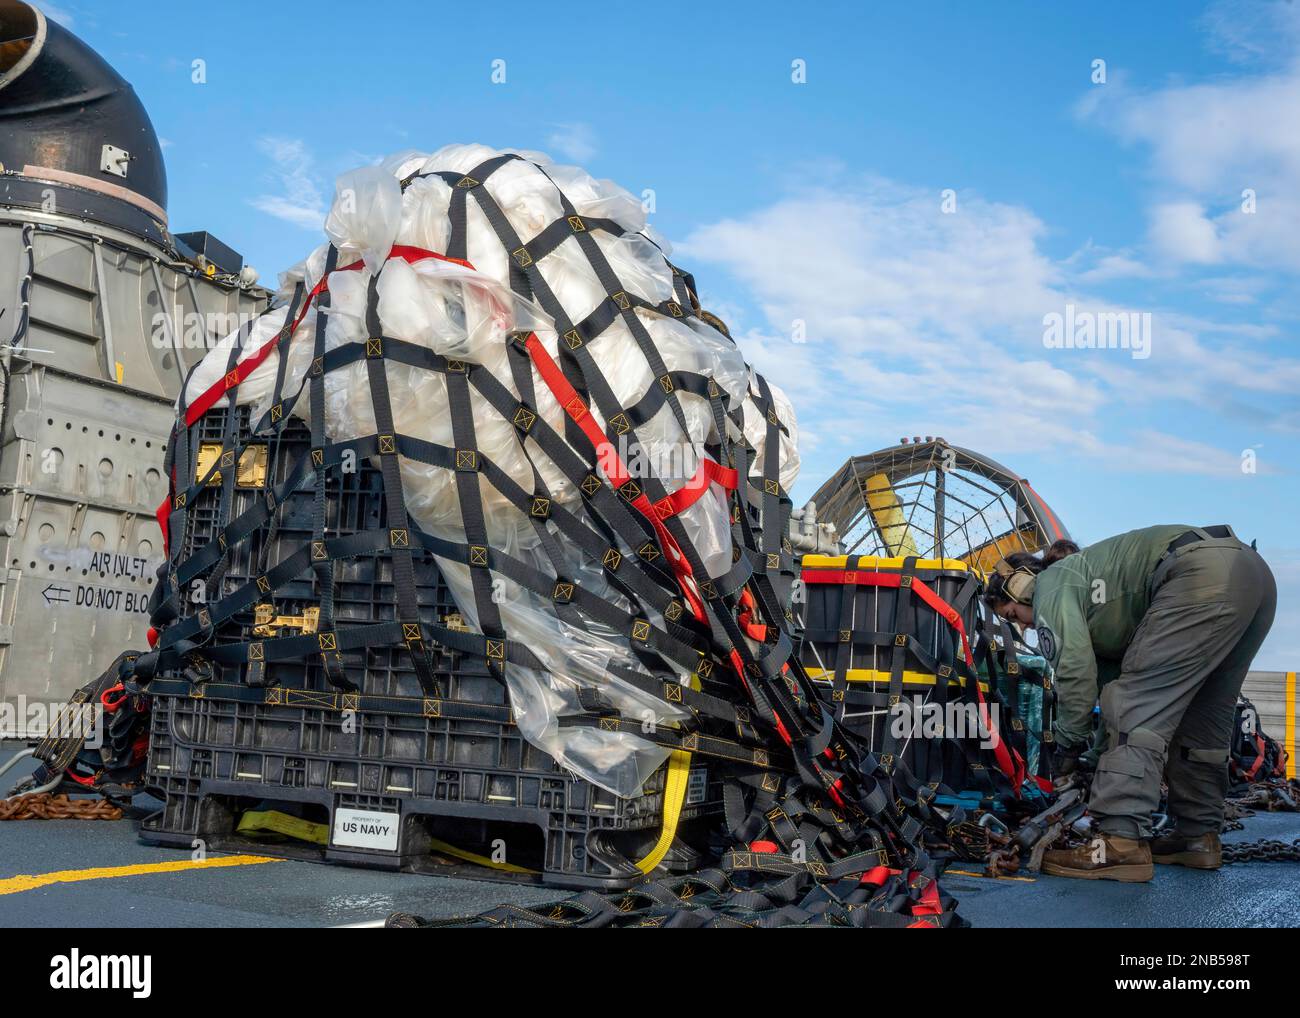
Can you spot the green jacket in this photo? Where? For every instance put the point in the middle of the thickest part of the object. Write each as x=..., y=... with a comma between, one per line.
x=1086, y=608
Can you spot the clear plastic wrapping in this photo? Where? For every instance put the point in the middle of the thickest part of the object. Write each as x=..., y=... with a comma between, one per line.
x=469, y=314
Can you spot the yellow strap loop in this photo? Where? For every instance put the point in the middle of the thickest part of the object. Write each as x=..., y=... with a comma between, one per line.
x=272, y=821
x=675, y=784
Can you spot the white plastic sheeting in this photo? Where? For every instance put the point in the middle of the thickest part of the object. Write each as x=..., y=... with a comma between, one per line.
x=468, y=314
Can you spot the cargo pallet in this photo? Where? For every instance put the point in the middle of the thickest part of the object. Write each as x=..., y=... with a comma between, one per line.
x=452, y=774
x=876, y=650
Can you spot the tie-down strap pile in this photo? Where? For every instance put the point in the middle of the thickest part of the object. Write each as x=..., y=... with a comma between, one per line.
x=800, y=781
x=756, y=888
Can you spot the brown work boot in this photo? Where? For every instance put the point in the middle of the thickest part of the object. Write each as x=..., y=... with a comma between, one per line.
x=1199, y=852
x=1105, y=857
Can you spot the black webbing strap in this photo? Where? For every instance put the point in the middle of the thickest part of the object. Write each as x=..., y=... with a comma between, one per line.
x=820, y=761
x=322, y=565
x=275, y=419
x=399, y=526
x=178, y=467
x=844, y=642
x=903, y=623
x=774, y=519
x=469, y=497
x=228, y=457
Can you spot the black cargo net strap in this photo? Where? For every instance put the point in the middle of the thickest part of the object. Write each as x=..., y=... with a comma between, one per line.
x=1001, y=662
x=398, y=521
x=844, y=642
x=227, y=461
x=274, y=420
x=755, y=890
x=274, y=416
x=573, y=346
x=322, y=565
x=903, y=625
x=992, y=770
x=802, y=785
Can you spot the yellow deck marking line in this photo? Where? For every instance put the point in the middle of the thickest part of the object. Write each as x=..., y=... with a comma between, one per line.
x=1290, y=725
x=31, y=881
x=985, y=876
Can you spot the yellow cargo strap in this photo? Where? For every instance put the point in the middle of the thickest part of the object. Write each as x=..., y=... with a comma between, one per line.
x=270, y=821
x=474, y=857
x=260, y=822
x=887, y=511
x=1290, y=725
x=675, y=783
x=910, y=678
x=868, y=563
x=255, y=822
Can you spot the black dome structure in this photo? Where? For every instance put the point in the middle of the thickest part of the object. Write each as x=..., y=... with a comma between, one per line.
x=70, y=122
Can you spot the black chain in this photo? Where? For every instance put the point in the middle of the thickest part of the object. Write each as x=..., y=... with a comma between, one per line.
x=1264, y=850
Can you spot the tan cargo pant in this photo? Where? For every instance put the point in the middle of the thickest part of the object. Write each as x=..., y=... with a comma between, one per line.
x=1170, y=712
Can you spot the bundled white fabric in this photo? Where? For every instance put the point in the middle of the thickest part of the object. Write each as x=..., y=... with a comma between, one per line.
x=468, y=314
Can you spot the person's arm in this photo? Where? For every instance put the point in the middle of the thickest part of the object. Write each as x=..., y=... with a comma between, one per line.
x=1063, y=638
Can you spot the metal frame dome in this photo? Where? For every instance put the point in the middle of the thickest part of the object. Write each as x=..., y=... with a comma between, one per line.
x=891, y=502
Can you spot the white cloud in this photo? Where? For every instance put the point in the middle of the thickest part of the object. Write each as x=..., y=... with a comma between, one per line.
x=293, y=168
x=915, y=318
x=1225, y=154
x=1180, y=232
x=1250, y=31
x=573, y=141
x=1157, y=452
x=1232, y=289
x=1121, y=265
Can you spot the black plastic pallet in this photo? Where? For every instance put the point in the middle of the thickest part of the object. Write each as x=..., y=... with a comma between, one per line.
x=453, y=769
x=448, y=771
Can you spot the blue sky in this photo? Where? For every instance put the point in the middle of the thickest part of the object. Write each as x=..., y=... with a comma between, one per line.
x=823, y=202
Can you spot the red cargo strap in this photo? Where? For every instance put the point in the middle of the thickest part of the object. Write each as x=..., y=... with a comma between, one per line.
x=246, y=367
x=616, y=470
x=686, y=496
x=929, y=902
x=1008, y=760
x=754, y=630
x=111, y=705
x=1261, y=750
x=1047, y=510
x=710, y=472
